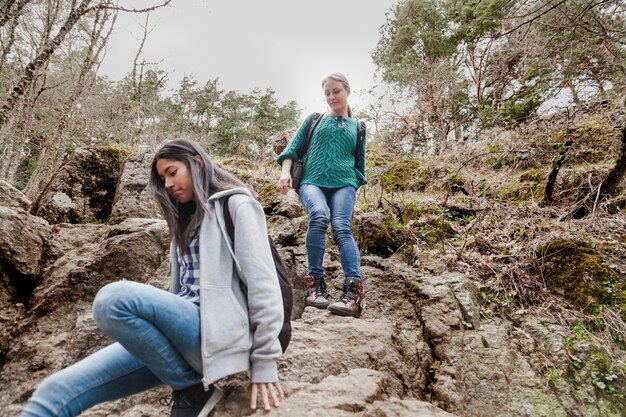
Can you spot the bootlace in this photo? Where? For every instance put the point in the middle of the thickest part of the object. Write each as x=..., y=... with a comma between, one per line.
x=176, y=398
x=350, y=292
x=349, y=296
x=166, y=400
x=318, y=290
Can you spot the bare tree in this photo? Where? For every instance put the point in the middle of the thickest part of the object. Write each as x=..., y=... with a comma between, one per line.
x=38, y=33
x=42, y=58
x=10, y=13
x=17, y=109
x=52, y=146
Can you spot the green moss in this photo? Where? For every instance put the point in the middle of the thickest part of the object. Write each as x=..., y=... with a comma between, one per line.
x=236, y=164
x=404, y=174
x=435, y=230
x=412, y=290
x=574, y=270
x=103, y=167
x=266, y=194
x=524, y=191
x=601, y=364
x=543, y=404
x=532, y=175
x=383, y=244
x=114, y=153
x=388, y=240
x=375, y=158
x=457, y=185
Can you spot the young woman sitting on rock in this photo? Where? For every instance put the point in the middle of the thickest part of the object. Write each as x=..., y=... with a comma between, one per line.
x=206, y=326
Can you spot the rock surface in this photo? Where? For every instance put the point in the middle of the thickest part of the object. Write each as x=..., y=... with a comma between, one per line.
x=133, y=197
x=422, y=347
x=83, y=188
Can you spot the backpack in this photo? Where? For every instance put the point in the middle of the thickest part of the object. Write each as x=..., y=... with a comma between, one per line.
x=360, y=138
x=283, y=279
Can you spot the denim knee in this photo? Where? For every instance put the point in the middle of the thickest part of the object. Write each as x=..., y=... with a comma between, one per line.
x=107, y=298
x=318, y=220
x=342, y=230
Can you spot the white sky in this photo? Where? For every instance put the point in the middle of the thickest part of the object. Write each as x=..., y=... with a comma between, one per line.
x=286, y=45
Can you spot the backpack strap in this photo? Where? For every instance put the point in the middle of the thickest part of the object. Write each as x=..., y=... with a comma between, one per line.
x=281, y=272
x=230, y=227
x=360, y=139
x=315, y=119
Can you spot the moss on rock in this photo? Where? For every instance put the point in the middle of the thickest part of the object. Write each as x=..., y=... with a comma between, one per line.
x=99, y=186
x=576, y=271
x=266, y=194
x=404, y=174
x=435, y=230
x=533, y=175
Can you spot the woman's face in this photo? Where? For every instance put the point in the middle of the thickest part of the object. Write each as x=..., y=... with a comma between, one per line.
x=177, y=179
x=336, y=96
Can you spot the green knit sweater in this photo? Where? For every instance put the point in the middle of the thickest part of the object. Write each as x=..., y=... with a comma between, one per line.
x=329, y=161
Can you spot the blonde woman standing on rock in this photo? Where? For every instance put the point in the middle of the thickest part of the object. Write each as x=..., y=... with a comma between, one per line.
x=332, y=175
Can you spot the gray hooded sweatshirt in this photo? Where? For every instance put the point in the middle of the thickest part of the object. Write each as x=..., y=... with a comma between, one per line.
x=239, y=329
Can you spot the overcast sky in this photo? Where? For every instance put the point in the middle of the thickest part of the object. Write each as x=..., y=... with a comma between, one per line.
x=286, y=45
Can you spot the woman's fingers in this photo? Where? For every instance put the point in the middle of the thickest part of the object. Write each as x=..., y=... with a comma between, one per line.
x=273, y=392
x=283, y=185
x=273, y=395
x=277, y=394
x=253, y=396
x=264, y=397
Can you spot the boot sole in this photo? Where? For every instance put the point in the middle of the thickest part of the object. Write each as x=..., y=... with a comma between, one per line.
x=343, y=312
x=320, y=306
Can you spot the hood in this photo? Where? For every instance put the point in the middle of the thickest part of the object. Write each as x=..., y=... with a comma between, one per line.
x=220, y=195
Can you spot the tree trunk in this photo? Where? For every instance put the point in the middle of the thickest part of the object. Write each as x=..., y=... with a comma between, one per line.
x=10, y=13
x=14, y=136
x=607, y=188
x=51, y=154
x=35, y=65
x=556, y=166
x=610, y=183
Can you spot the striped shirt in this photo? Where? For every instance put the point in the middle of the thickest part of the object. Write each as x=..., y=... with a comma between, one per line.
x=189, y=270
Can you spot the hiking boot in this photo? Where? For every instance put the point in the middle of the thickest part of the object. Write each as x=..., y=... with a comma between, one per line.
x=193, y=401
x=315, y=292
x=350, y=302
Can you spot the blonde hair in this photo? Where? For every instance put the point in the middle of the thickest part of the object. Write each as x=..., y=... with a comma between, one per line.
x=336, y=76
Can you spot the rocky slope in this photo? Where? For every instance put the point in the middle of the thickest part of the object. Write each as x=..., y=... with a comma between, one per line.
x=431, y=341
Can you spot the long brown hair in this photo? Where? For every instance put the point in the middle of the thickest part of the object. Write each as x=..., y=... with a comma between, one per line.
x=206, y=178
x=336, y=76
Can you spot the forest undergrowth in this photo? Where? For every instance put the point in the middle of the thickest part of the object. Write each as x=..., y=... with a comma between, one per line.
x=529, y=215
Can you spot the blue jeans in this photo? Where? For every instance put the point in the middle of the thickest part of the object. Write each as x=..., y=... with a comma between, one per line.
x=339, y=203
x=158, y=342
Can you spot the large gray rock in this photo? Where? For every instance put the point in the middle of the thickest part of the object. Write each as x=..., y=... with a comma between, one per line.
x=83, y=188
x=372, y=233
x=11, y=197
x=133, y=249
x=133, y=197
x=57, y=329
x=22, y=244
